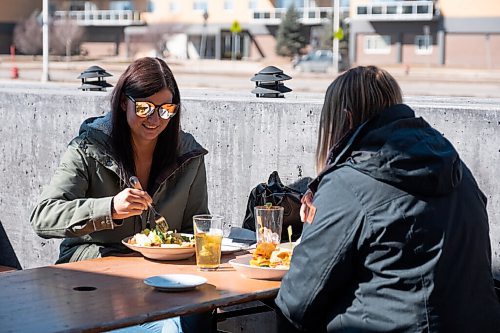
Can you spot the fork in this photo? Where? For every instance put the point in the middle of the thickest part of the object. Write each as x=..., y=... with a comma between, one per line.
x=160, y=221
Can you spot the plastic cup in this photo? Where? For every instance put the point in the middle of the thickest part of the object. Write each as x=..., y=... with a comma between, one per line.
x=268, y=224
x=208, y=237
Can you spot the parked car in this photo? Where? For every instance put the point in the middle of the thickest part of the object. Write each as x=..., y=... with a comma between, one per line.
x=316, y=61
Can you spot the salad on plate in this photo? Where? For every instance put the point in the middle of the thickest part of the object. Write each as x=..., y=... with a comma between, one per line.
x=157, y=238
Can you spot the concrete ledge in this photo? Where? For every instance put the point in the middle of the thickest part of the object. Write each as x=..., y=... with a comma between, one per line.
x=247, y=138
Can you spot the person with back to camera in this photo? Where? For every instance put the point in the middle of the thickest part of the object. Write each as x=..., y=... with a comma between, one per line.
x=90, y=202
x=398, y=235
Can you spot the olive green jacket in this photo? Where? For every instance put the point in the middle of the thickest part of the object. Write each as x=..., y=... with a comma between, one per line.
x=77, y=203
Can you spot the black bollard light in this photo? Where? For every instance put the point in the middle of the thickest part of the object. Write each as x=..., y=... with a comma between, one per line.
x=269, y=83
x=93, y=79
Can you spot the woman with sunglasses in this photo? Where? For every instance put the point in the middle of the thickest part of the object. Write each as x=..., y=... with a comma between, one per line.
x=90, y=201
x=397, y=237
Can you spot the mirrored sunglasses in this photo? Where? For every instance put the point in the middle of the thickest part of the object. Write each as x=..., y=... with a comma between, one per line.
x=145, y=109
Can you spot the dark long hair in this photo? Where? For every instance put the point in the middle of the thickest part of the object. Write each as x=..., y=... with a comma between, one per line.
x=143, y=78
x=361, y=92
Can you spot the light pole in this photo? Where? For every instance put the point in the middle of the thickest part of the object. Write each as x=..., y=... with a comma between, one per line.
x=235, y=30
x=45, y=40
x=203, y=45
x=336, y=25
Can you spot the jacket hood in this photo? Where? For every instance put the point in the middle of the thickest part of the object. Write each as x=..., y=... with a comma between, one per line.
x=396, y=148
x=95, y=141
x=98, y=131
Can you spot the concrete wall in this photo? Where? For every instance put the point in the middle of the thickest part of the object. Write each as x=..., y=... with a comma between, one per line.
x=247, y=138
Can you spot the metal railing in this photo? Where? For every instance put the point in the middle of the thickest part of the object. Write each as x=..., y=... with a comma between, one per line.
x=314, y=15
x=396, y=10
x=101, y=17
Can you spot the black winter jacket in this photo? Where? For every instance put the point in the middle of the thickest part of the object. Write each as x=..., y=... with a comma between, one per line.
x=400, y=239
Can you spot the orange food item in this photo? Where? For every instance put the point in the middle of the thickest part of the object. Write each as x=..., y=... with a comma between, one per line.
x=280, y=258
x=267, y=255
x=262, y=254
x=264, y=249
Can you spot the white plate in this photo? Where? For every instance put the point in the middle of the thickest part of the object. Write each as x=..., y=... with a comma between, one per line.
x=229, y=247
x=162, y=253
x=287, y=245
x=242, y=265
x=175, y=282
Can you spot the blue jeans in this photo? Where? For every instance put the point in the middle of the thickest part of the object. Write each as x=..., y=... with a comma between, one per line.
x=170, y=325
x=194, y=323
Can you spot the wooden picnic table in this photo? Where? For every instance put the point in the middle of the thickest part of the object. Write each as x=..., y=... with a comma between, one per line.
x=108, y=293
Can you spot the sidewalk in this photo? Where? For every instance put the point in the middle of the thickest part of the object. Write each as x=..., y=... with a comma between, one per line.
x=228, y=76
x=245, y=68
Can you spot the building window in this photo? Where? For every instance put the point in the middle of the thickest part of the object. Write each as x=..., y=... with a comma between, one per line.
x=393, y=10
x=362, y=10
x=200, y=5
x=78, y=6
x=174, y=6
x=252, y=4
x=423, y=44
x=228, y=5
x=376, y=10
x=377, y=44
x=288, y=3
x=151, y=7
x=120, y=5
x=423, y=9
x=407, y=9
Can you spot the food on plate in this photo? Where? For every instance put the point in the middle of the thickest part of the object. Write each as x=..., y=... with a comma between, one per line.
x=280, y=258
x=157, y=238
x=268, y=255
x=262, y=254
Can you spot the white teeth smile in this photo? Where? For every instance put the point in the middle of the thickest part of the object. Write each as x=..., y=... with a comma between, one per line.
x=149, y=126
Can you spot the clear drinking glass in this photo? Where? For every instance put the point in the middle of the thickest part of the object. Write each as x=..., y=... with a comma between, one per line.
x=268, y=224
x=208, y=236
x=226, y=228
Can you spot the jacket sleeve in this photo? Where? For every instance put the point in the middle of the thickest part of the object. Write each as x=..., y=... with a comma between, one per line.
x=197, y=202
x=322, y=264
x=64, y=210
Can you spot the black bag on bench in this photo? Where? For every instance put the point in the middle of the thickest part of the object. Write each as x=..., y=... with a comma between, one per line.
x=279, y=195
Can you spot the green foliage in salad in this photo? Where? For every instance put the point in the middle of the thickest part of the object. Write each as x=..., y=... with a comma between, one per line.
x=157, y=236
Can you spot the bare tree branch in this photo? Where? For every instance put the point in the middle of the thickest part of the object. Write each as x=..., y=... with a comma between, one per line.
x=66, y=37
x=28, y=35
